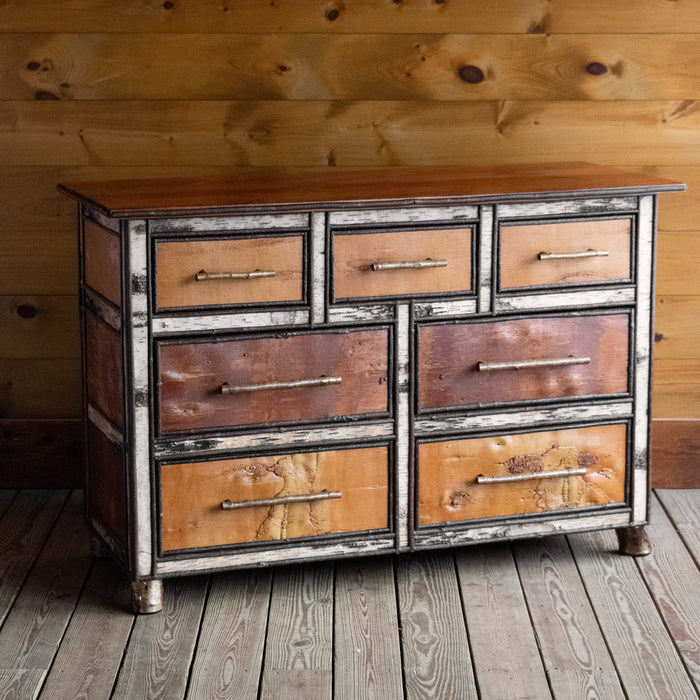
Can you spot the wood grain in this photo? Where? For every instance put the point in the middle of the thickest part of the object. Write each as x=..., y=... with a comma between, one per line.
x=436, y=657
x=675, y=445
x=648, y=665
x=367, y=644
x=191, y=496
x=299, y=649
x=684, y=508
x=102, y=261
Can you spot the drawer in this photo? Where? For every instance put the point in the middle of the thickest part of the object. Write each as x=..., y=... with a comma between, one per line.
x=223, y=272
x=281, y=379
x=210, y=504
x=516, y=474
x=402, y=263
x=466, y=364
x=565, y=253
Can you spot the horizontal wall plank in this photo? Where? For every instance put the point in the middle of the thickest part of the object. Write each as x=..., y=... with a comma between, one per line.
x=678, y=261
x=317, y=133
x=675, y=447
x=384, y=16
x=677, y=327
x=676, y=388
x=350, y=66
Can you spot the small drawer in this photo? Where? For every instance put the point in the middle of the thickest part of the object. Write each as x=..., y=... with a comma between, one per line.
x=565, y=253
x=225, y=272
x=402, y=263
x=274, y=497
x=486, y=477
x=467, y=364
x=282, y=379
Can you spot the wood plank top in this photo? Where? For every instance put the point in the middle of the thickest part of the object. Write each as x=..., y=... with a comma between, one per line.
x=347, y=188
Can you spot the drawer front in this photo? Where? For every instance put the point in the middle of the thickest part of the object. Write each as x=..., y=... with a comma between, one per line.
x=517, y=474
x=393, y=263
x=565, y=253
x=221, y=272
x=304, y=495
x=522, y=360
x=295, y=378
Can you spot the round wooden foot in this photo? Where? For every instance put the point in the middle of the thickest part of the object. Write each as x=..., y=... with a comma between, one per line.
x=634, y=541
x=147, y=596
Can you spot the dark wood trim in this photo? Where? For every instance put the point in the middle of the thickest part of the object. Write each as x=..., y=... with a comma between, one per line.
x=46, y=453
x=41, y=453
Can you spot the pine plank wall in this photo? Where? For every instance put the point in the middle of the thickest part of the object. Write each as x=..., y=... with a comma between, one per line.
x=93, y=89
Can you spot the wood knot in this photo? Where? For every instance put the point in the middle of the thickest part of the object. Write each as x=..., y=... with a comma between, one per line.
x=33, y=65
x=168, y=5
x=596, y=68
x=471, y=74
x=332, y=15
x=26, y=311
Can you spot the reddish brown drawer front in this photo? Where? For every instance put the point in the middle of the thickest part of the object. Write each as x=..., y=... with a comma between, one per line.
x=302, y=377
x=565, y=253
x=303, y=495
x=517, y=474
x=522, y=360
x=236, y=271
x=401, y=263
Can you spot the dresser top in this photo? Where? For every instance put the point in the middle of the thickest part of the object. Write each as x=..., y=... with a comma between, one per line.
x=300, y=191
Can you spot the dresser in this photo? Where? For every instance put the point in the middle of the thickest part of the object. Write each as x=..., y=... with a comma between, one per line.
x=294, y=366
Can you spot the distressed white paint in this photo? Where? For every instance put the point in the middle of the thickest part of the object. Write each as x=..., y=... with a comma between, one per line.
x=140, y=438
x=486, y=253
x=318, y=268
x=569, y=207
x=229, y=322
x=361, y=313
x=95, y=416
x=444, y=309
x=252, y=223
x=403, y=408
x=403, y=215
x=548, y=299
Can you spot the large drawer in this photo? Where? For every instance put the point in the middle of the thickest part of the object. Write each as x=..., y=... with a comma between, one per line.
x=565, y=253
x=221, y=272
x=402, y=263
x=280, y=379
x=466, y=364
x=483, y=477
x=303, y=495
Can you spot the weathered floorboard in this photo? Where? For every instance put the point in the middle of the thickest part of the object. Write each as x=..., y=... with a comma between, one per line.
x=684, y=509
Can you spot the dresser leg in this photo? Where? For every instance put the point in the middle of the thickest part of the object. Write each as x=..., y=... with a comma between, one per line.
x=147, y=596
x=634, y=541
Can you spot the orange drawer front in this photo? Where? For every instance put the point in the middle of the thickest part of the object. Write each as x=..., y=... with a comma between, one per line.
x=451, y=472
x=402, y=263
x=298, y=495
x=565, y=253
x=223, y=272
x=471, y=363
x=296, y=378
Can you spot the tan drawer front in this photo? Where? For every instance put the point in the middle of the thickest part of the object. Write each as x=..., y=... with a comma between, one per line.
x=229, y=272
x=565, y=253
x=522, y=360
x=296, y=378
x=304, y=495
x=450, y=472
x=402, y=263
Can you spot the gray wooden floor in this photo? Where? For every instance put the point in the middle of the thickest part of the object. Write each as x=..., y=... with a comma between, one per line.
x=563, y=617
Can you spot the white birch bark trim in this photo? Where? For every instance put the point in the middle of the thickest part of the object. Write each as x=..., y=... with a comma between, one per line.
x=485, y=266
x=569, y=207
x=642, y=354
x=452, y=535
x=253, y=223
x=404, y=215
x=403, y=409
x=105, y=221
x=535, y=418
x=108, y=313
x=445, y=309
x=563, y=300
x=276, y=554
x=232, y=322
x=140, y=388
x=104, y=426
x=356, y=432
x=359, y=313
x=317, y=273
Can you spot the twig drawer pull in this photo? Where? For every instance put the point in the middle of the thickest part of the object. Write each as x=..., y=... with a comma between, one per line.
x=530, y=364
x=570, y=256
x=226, y=388
x=203, y=275
x=282, y=500
x=408, y=265
x=481, y=479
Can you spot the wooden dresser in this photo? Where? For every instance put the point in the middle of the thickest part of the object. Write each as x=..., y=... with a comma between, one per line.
x=313, y=365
